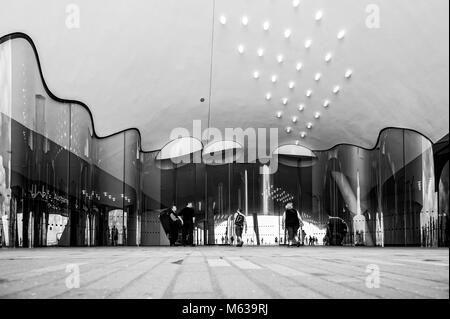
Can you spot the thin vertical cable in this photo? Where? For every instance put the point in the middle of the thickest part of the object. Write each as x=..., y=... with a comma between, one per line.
x=211, y=62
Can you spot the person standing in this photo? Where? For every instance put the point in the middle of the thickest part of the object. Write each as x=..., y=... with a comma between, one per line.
x=292, y=222
x=175, y=223
x=239, y=224
x=187, y=214
x=114, y=235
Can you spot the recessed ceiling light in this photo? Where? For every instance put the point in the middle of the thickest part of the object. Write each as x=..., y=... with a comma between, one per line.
x=280, y=58
x=268, y=96
x=348, y=73
x=279, y=114
x=326, y=103
x=301, y=107
x=316, y=115
x=294, y=119
x=244, y=20
x=260, y=52
x=287, y=33
x=302, y=134
x=308, y=93
x=297, y=142
x=266, y=25
x=336, y=89
x=308, y=43
x=241, y=48
x=274, y=78
x=256, y=74
x=288, y=129
x=319, y=15
x=317, y=76
x=223, y=19
x=285, y=100
x=295, y=3
x=309, y=125
x=291, y=85
x=341, y=34
x=328, y=57
x=298, y=66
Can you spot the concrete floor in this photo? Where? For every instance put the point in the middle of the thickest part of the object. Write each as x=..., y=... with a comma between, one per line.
x=224, y=272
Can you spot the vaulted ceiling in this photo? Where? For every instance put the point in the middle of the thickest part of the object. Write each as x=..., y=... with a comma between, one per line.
x=149, y=64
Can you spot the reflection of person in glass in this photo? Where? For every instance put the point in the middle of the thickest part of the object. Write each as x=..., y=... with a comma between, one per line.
x=5, y=198
x=292, y=222
x=2, y=185
x=239, y=224
x=188, y=216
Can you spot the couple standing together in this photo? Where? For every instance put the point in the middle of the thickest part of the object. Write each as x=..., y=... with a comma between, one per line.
x=185, y=220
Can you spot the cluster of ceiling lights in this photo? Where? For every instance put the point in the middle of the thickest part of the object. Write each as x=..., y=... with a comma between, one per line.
x=266, y=25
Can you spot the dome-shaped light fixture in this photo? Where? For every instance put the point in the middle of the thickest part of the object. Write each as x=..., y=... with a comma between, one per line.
x=301, y=107
x=336, y=89
x=284, y=101
x=280, y=58
x=308, y=43
x=256, y=75
x=291, y=85
x=326, y=103
x=319, y=15
x=223, y=19
x=341, y=34
x=295, y=3
x=178, y=151
x=268, y=96
x=309, y=125
x=294, y=119
x=288, y=129
x=287, y=33
x=302, y=134
x=241, y=48
x=348, y=74
x=328, y=57
x=316, y=115
x=266, y=25
x=279, y=114
x=260, y=52
x=298, y=66
x=244, y=21
x=317, y=76
x=308, y=93
x=274, y=78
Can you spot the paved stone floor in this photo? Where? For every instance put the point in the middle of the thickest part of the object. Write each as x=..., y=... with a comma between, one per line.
x=224, y=272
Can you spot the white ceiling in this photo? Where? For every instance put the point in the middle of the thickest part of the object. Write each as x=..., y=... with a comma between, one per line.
x=147, y=64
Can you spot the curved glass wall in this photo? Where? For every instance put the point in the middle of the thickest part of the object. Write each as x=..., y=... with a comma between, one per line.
x=61, y=185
